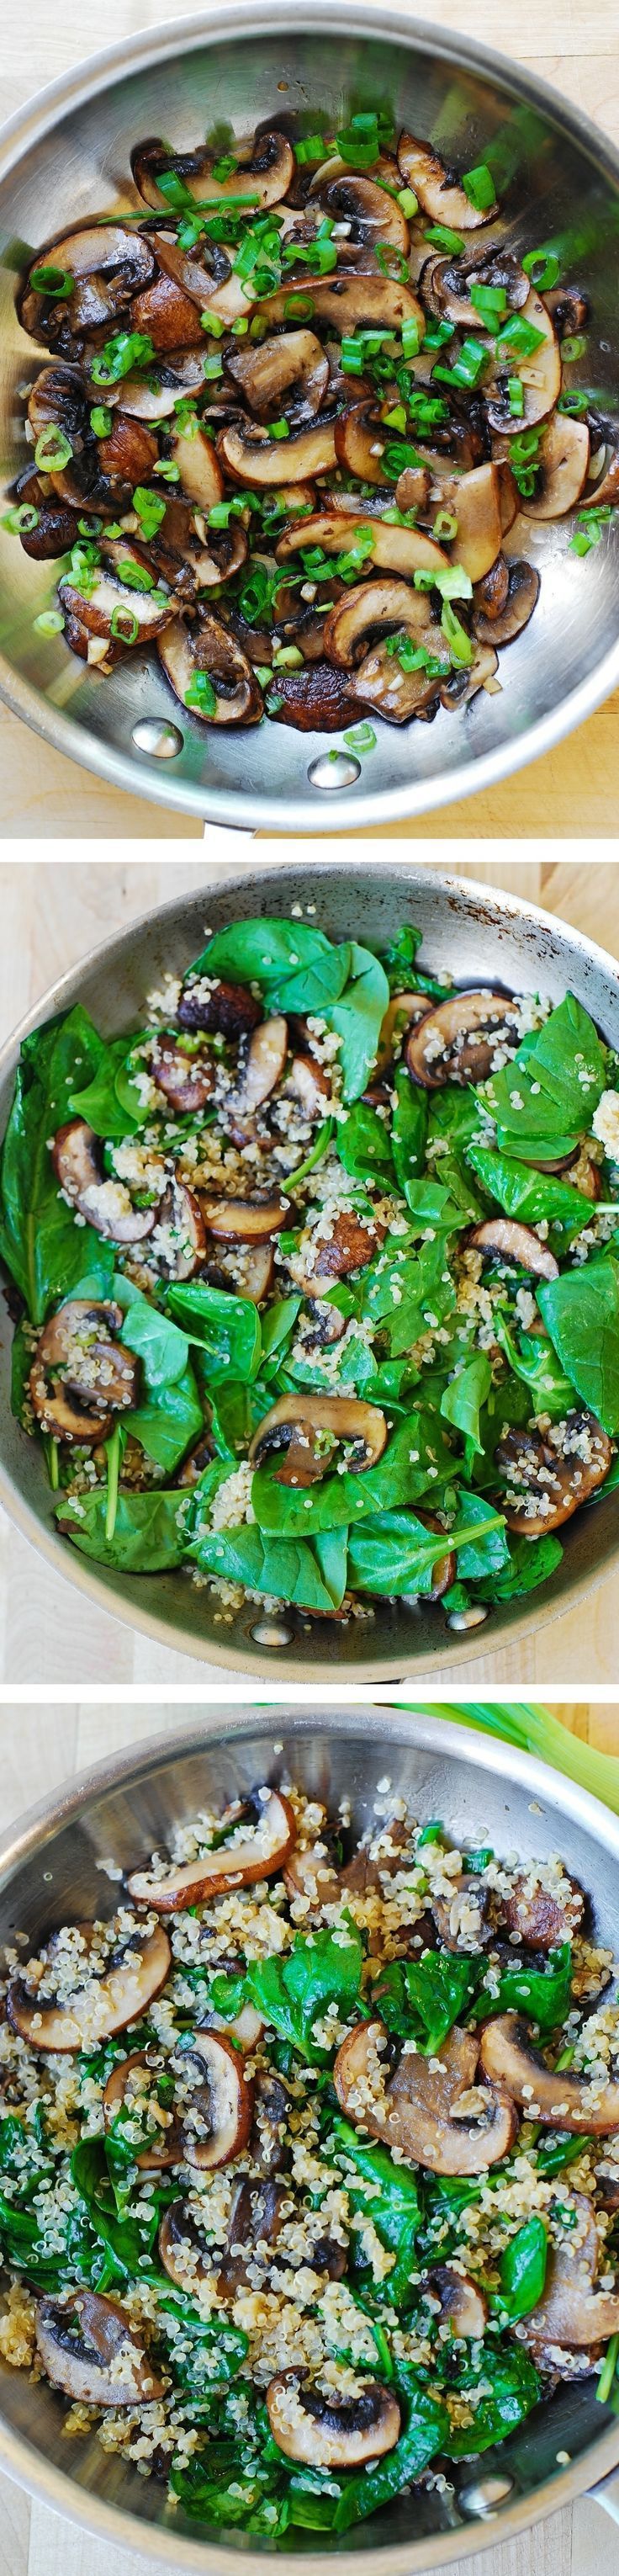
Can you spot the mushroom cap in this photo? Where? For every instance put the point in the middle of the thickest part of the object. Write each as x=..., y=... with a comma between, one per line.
x=512, y=1242
x=541, y=1917
x=256, y=2218
x=383, y=686
x=439, y=196
x=97, y=1376
x=559, y=2100
x=350, y=1245
x=227, y=1010
x=105, y=2363
x=217, y=2126
x=314, y=700
x=571, y=2313
x=546, y=1481
x=348, y=302
x=77, y=1161
x=178, y=1240
x=522, y=596
x=241, y=1864
x=252, y=458
x=288, y=374
x=264, y=167
x=165, y=2148
x=331, y=2432
x=456, y=1041
x=260, y=1067
x=372, y=606
x=243, y=1220
x=463, y=2305
x=417, y=2110
x=565, y=455
x=108, y=264
x=401, y=550
x=373, y=215
x=99, y=2006
x=187, y=1081
x=210, y=647
x=294, y=1420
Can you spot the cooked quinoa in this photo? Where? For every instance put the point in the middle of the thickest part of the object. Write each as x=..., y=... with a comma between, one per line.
x=310, y=2159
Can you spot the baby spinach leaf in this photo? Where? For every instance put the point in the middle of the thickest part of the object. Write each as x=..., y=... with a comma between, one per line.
x=358, y=1017
x=125, y=2240
x=533, y=1360
x=530, y=1196
x=398, y=958
x=148, y=1534
x=455, y=1117
x=407, y=1293
x=388, y=2194
x=531, y=1561
x=424, y=2434
x=163, y=1350
x=394, y=1554
x=289, y=1569
x=297, y=966
x=431, y=1205
x=169, y=1421
x=581, y=1310
x=482, y=1550
x=551, y=1087
x=552, y=2158
x=421, y=1998
x=295, y=1991
x=226, y=1327
x=277, y=1326
x=401, y=1476
x=516, y=2388
x=98, y=1102
x=409, y=1128
x=43, y=1248
x=543, y=1995
x=463, y=1398
x=363, y=1145
x=523, y=2270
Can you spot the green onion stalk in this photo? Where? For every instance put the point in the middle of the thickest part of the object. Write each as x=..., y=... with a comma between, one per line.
x=535, y=1730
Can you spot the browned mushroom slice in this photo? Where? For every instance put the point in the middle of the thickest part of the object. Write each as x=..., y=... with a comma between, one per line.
x=572, y=2314
x=541, y=1917
x=509, y=495
x=260, y=1067
x=253, y=459
x=261, y=1855
x=446, y=286
x=351, y=1243
x=186, y=1080
x=464, y=685
x=296, y=1422
x=57, y=404
x=557, y=2099
x=522, y=597
x=432, y=2110
x=184, y=555
x=128, y=452
x=331, y=2432
x=476, y=500
x=457, y=1040
x=225, y=1010
x=403, y=550
x=263, y=169
x=56, y=528
x=243, y=1220
x=108, y=264
x=117, y=608
x=200, y=474
x=565, y=465
x=216, y=2116
x=286, y=375
x=256, y=2218
x=360, y=442
x=170, y=318
x=80, y=1377
x=203, y=279
x=100, y=2004
x=462, y=2305
x=540, y=375
x=89, y=2349
x=511, y=1242
x=466, y=1913
x=307, y=1083
x=605, y=489
x=182, y=2249
x=132, y=2089
x=369, y=608
x=370, y=215
x=349, y=303
x=438, y=193
x=491, y=594
x=310, y=1875
x=210, y=648
x=106, y=1204
x=382, y=685
x=178, y=1240
x=412, y=489
x=155, y=396
x=314, y=700
x=548, y=1475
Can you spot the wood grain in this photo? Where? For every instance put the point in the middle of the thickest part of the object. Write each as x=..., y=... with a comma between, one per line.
x=574, y=789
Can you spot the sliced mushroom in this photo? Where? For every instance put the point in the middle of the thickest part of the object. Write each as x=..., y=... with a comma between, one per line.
x=216, y=2120
x=170, y=318
x=557, y=2099
x=270, y=373
x=80, y=1377
x=468, y=1903
x=432, y=2111
x=331, y=2432
x=132, y=2087
x=492, y=592
x=295, y=1422
x=128, y=452
x=372, y=607
x=381, y=683
x=90, y=2351
x=188, y=557
x=360, y=442
x=463, y=2306
x=522, y=597
x=263, y=169
x=106, y=1204
x=307, y=1083
x=57, y=402
x=181, y=2247
x=254, y=459
x=243, y=1220
x=242, y=1864
x=606, y=489
x=349, y=303
x=351, y=1244
x=224, y=1010
x=565, y=466
x=446, y=284
x=549, y=1474
x=200, y=473
x=539, y=1917
x=256, y=2217
x=248, y=1268
x=540, y=375
x=100, y=2005
x=412, y=491
x=509, y=494
x=261, y=1066
x=208, y=646
x=511, y=1242
x=107, y=263
x=457, y=1040
x=155, y=396
x=402, y=550
x=572, y=2314
x=187, y=1081
x=178, y=1240
x=440, y=195
x=310, y=1874
x=464, y=685
x=114, y=608
x=56, y=528
x=476, y=500
x=369, y=213
x=314, y=700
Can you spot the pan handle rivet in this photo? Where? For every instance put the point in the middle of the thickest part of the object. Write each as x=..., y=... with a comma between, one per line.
x=268, y=1633
x=334, y=769
x=155, y=735
x=485, y=2495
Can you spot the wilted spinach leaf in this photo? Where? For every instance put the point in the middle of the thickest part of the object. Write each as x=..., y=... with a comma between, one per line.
x=44, y=1250
x=311, y=1575
x=424, y=2434
x=295, y=1991
x=551, y=1087
x=530, y=1196
x=363, y=1143
x=523, y=2270
x=543, y=1995
x=516, y=2388
x=226, y=1327
x=581, y=1310
x=421, y=1998
x=148, y=1535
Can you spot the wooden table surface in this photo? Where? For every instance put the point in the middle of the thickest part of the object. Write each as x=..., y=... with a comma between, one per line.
x=51, y=916
x=42, y=1747
x=573, y=790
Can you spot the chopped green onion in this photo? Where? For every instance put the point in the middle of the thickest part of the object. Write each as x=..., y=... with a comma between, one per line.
x=101, y=421
x=490, y=300
x=212, y=367
x=467, y=367
x=224, y=168
x=150, y=510
x=223, y=511
x=460, y=646
x=414, y=657
x=607, y=2372
x=126, y=350
x=298, y=308
x=169, y=473
x=399, y=454
x=263, y=673
x=445, y=526
x=313, y=148
x=21, y=521
x=519, y=337
x=515, y=396
x=274, y=702
x=201, y=694
x=134, y=576
x=279, y=429
x=186, y=417
x=478, y=186
x=288, y=658
x=53, y=450
x=411, y=339
x=124, y=625
x=395, y=419
x=359, y=142
x=588, y=531
x=50, y=621
x=437, y=333
x=360, y=738
x=443, y=238
x=352, y=357
x=90, y=527
x=52, y=281
x=240, y=327
x=576, y=403
x=450, y=579
x=408, y=201
x=542, y=266
x=212, y=323
x=573, y=347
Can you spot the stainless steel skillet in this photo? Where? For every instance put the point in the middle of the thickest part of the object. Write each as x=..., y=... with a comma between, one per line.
x=67, y=154
x=470, y=933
